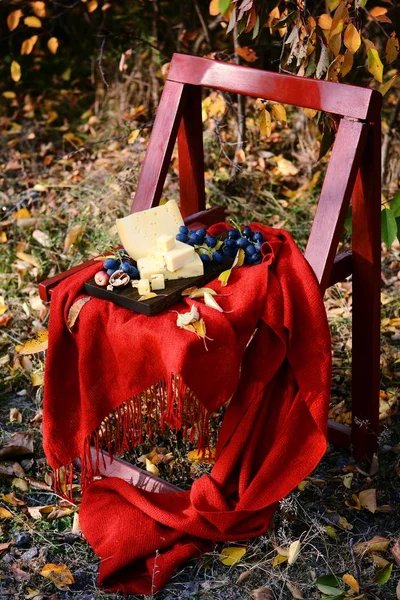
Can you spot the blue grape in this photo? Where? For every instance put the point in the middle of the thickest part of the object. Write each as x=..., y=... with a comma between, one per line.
x=193, y=238
x=205, y=258
x=110, y=263
x=218, y=256
x=230, y=244
x=201, y=232
x=200, y=240
x=247, y=232
x=258, y=236
x=125, y=266
x=258, y=246
x=133, y=272
x=183, y=229
x=181, y=237
x=242, y=242
x=230, y=252
x=233, y=234
x=250, y=250
x=111, y=271
x=211, y=241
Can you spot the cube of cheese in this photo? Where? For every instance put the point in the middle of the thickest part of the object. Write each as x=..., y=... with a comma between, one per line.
x=192, y=269
x=157, y=282
x=165, y=242
x=153, y=265
x=143, y=287
x=139, y=231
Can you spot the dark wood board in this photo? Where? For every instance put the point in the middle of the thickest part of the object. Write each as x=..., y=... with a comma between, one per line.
x=128, y=297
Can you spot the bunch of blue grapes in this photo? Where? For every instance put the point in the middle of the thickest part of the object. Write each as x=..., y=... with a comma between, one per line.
x=121, y=261
x=206, y=245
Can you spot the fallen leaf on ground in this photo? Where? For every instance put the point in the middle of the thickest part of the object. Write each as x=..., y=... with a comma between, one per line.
x=4, y=547
x=60, y=575
x=37, y=378
x=296, y=593
x=379, y=560
x=151, y=468
x=232, y=555
x=201, y=457
x=375, y=544
x=38, y=344
x=5, y=513
x=262, y=593
x=42, y=238
x=72, y=235
x=12, y=499
x=33, y=594
x=351, y=582
x=18, y=445
x=51, y=512
x=20, y=484
x=15, y=416
x=28, y=258
x=294, y=551
x=243, y=577
x=75, y=309
x=396, y=551
x=18, y=573
x=383, y=575
x=368, y=499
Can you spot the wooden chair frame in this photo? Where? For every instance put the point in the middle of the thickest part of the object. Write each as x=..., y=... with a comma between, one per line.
x=353, y=174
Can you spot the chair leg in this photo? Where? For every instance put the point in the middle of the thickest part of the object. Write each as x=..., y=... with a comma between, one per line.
x=366, y=299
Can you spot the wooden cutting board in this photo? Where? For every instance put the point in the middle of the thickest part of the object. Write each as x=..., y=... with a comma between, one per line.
x=128, y=296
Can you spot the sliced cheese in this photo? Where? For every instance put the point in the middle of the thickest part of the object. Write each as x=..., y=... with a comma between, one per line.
x=193, y=269
x=157, y=282
x=139, y=231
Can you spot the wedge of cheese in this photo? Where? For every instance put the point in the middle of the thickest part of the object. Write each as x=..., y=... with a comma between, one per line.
x=139, y=232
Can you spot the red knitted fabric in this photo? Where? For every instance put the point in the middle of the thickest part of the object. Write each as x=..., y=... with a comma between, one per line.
x=270, y=354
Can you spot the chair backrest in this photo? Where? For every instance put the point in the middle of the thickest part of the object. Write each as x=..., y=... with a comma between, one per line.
x=179, y=116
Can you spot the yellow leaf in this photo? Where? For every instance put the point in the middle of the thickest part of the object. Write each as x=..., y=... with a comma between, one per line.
x=60, y=575
x=151, y=468
x=3, y=306
x=9, y=95
x=392, y=49
x=33, y=22
x=38, y=344
x=347, y=64
x=278, y=559
x=52, y=45
x=15, y=71
x=335, y=43
x=13, y=19
x=37, y=378
x=387, y=85
x=217, y=105
x=347, y=480
x=147, y=296
x=198, y=292
x=232, y=555
x=28, y=258
x=198, y=456
x=214, y=8
x=375, y=544
x=309, y=112
x=5, y=514
x=265, y=122
x=379, y=560
x=3, y=237
x=279, y=113
x=27, y=45
x=133, y=135
x=22, y=213
x=375, y=66
x=224, y=276
x=73, y=234
x=72, y=139
x=331, y=532
x=354, y=502
x=12, y=499
x=294, y=551
x=92, y=5
x=368, y=499
x=352, y=38
x=200, y=328
x=285, y=167
x=33, y=594
x=75, y=309
x=20, y=484
x=351, y=582
x=325, y=21
x=332, y=4
x=39, y=8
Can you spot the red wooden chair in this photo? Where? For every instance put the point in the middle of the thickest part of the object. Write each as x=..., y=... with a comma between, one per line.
x=353, y=174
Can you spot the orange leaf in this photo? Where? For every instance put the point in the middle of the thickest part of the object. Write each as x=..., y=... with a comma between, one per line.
x=39, y=8
x=352, y=38
x=52, y=45
x=247, y=54
x=15, y=71
x=351, y=582
x=33, y=22
x=13, y=19
x=28, y=44
x=60, y=575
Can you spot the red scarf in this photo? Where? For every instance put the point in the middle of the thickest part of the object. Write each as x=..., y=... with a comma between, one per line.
x=272, y=436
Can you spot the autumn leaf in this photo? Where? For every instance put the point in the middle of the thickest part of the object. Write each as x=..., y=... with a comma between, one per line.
x=22, y=213
x=232, y=555
x=39, y=8
x=352, y=38
x=52, y=45
x=147, y=296
x=38, y=344
x=392, y=49
x=12, y=499
x=368, y=499
x=375, y=66
x=375, y=544
x=133, y=136
x=332, y=4
x=199, y=456
x=279, y=113
x=152, y=468
x=383, y=575
x=384, y=88
x=5, y=514
x=262, y=593
x=214, y=8
x=15, y=71
x=247, y=54
x=60, y=575
x=294, y=551
x=19, y=444
x=92, y=5
x=351, y=582
x=75, y=309
x=13, y=19
x=28, y=258
x=325, y=21
x=33, y=22
x=27, y=45
x=73, y=234
x=15, y=415
x=37, y=378
x=265, y=122
x=211, y=302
